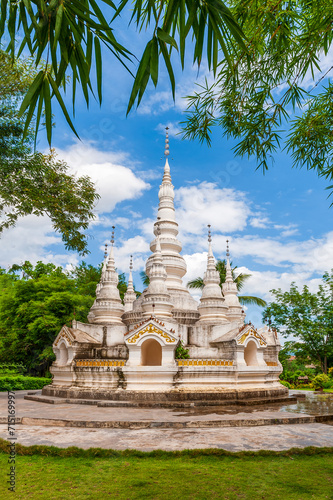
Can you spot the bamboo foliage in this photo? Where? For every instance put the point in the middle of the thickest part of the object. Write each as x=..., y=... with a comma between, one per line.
x=64, y=37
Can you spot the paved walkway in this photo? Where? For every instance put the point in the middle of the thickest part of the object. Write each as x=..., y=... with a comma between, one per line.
x=191, y=428
x=77, y=412
x=277, y=437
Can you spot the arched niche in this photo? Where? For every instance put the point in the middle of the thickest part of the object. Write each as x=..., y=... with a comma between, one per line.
x=151, y=353
x=250, y=354
x=63, y=354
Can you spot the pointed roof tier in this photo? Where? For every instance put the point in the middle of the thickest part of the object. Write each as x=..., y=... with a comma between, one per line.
x=130, y=294
x=230, y=292
x=156, y=300
x=107, y=307
x=171, y=247
x=212, y=308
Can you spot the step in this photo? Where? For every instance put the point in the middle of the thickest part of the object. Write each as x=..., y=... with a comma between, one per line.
x=150, y=424
x=162, y=404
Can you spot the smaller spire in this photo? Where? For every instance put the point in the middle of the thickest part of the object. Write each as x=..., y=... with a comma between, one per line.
x=209, y=233
x=210, y=258
x=228, y=277
x=130, y=294
x=130, y=287
x=105, y=251
x=230, y=292
x=107, y=307
x=212, y=308
x=166, y=150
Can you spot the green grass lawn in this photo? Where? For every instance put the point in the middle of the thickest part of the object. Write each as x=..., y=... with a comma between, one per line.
x=50, y=473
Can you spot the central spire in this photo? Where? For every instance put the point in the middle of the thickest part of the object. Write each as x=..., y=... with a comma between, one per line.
x=171, y=247
x=157, y=298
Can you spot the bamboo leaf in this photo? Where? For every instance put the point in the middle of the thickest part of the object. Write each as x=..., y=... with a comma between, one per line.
x=166, y=58
x=58, y=24
x=33, y=90
x=61, y=102
x=3, y=16
x=48, y=109
x=144, y=66
x=166, y=38
x=154, y=61
x=98, y=57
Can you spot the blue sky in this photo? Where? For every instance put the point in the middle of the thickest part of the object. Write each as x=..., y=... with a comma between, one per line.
x=278, y=224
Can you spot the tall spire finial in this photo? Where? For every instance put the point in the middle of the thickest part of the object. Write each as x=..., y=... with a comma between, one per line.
x=227, y=253
x=131, y=263
x=209, y=233
x=112, y=235
x=166, y=150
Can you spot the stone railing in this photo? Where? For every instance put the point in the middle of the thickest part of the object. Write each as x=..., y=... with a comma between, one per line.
x=100, y=362
x=205, y=362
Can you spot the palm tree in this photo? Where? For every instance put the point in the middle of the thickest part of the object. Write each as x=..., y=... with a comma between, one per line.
x=145, y=278
x=221, y=267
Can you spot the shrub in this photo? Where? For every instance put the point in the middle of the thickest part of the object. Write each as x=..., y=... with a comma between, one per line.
x=322, y=381
x=12, y=368
x=19, y=383
x=181, y=352
x=285, y=383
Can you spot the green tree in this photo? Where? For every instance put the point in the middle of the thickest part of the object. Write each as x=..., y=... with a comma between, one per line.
x=306, y=319
x=274, y=85
x=64, y=38
x=33, y=308
x=144, y=278
x=240, y=279
x=36, y=301
x=31, y=182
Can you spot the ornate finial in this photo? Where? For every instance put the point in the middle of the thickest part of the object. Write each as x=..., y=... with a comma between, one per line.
x=227, y=253
x=209, y=233
x=112, y=235
x=166, y=151
x=105, y=250
x=131, y=263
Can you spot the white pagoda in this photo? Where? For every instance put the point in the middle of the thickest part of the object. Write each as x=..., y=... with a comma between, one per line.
x=128, y=350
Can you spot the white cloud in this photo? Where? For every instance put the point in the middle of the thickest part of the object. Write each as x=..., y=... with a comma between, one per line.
x=174, y=129
x=29, y=240
x=287, y=230
x=325, y=64
x=261, y=282
x=136, y=246
x=313, y=255
x=259, y=222
x=196, y=265
x=227, y=210
x=111, y=171
x=160, y=101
